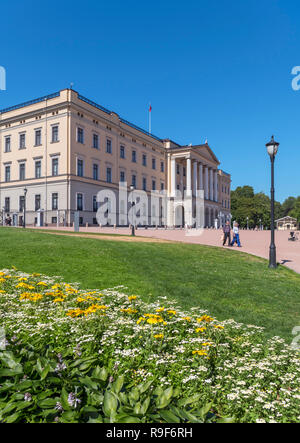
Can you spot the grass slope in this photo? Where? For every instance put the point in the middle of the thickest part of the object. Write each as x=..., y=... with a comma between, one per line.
x=227, y=283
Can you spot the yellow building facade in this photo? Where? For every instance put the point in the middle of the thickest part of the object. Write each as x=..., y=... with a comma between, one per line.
x=64, y=148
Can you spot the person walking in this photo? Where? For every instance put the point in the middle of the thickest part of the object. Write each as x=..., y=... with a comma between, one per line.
x=236, y=235
x=227, y=232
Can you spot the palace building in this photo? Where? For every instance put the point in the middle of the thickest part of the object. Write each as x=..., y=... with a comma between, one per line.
x=63, y=149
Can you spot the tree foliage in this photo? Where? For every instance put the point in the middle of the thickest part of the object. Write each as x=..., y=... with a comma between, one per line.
x=245, y=203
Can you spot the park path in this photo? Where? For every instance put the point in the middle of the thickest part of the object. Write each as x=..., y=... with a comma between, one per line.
x=253, y=242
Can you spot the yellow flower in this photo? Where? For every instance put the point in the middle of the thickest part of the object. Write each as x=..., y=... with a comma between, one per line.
x=22, y=279
x=140, y=320
x=57, y=300
x=201, y=353
x=187, y=318
x=160, y=309
x=132, y=297
x=2, y=280
x=205, y=318
x=159, y=336
x=129, y=311
x=75, y=313
x=42, y=283
x=219, y=327
x=171, y=312
x=2, y=292
x=200, y=329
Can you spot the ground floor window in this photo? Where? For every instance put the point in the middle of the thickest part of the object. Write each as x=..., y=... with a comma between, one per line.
x=79, y=202
x=54, y=201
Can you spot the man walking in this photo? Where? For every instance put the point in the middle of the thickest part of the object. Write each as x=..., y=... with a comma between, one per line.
x=236, y=235
x=227, y=231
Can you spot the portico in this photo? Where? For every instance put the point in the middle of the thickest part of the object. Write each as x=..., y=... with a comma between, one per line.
x=194, y=179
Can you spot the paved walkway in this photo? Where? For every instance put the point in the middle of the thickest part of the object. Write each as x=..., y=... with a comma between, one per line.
x=253, y=242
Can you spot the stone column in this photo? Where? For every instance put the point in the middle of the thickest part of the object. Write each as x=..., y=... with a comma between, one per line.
x=173, y=176
x=206, y=183
x=195, y=177
x=211, y=183
x=188, y=177
x=200, y=176
x=216, y=186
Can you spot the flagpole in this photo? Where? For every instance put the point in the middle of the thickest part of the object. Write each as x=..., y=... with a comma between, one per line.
x=150, y=109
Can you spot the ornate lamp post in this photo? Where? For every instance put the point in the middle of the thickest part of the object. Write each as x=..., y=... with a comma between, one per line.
x=24, y=219
x=132, y=188
x=247, y=223
x=272, y=148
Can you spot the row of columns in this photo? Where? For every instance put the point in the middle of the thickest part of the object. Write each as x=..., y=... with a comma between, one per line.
x=204, y=178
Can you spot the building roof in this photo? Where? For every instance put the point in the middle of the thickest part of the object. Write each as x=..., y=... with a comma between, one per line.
x=287, y=219
x=86, y=100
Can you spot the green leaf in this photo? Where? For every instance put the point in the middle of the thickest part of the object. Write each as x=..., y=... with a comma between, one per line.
x=143, y=387
x=11, y=372
x=87, y=381
x=118, y=384
x=145, y=406
x=12, y=418
x=96, y=420
x=47, y=403
x=189, y=400
x=226, y=420
x=103, y=374
x=45, y=372
x=110, y=404
x=64, y=400
x=204, y=410
x=169, y=417
x=127, y=419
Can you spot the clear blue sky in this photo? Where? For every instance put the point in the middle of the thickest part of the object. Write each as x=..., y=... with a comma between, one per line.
x=218, y=69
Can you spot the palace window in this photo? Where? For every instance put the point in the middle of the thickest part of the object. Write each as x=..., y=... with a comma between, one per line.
x=108, y=175
x=7, y=144
x=22, y=171
x=95, y=171
x=122, y=176
x=79, y=202
x=7, y=173
x=21, y=203
x=7, y=204
x=144, y=184
x=133, y=156
x=144, y=160
x=38, y=169
x=95, y=141
x=55, y=167
x=22, y=140
x=54, y=201
x=55, y=137
x=108, y=146
x=80, y=167
x=122, y=151
x=38, y=137
x=37, y=202
x=80, y=135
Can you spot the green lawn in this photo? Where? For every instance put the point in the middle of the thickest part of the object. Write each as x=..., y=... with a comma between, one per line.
x=227, y=283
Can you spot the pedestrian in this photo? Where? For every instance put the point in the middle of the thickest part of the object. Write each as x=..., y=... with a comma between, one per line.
x=236, y=235
x=227, y=233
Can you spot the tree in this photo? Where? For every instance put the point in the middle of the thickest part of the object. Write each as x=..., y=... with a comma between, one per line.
x=245, y=203
x=288, y=206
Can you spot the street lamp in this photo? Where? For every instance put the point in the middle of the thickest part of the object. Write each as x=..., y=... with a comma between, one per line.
x=272, y=148
x=247, y=223
x=132, y=188
x=24, y=208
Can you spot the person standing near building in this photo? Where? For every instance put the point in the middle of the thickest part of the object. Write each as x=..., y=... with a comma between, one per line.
x=227, y=231
x=236, y=235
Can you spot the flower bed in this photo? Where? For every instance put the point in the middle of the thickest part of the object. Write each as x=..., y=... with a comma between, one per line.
x=74, y=356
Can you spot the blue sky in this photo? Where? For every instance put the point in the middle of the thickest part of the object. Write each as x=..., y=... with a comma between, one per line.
x=219, y=70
